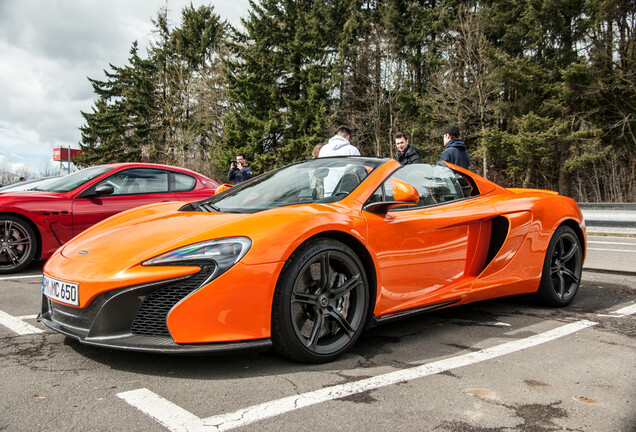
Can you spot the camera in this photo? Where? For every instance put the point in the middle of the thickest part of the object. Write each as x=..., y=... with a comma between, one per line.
x=234, y=165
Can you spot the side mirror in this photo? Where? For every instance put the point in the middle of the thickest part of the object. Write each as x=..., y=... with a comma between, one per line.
x=222, y=188
x=104, y=189
x=403, y=194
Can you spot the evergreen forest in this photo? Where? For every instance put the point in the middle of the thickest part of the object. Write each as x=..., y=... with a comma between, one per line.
x=543, y=91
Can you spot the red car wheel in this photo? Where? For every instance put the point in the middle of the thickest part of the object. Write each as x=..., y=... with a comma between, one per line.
x=18, y=246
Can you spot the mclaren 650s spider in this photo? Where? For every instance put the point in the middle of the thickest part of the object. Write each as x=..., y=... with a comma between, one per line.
x=305, y=257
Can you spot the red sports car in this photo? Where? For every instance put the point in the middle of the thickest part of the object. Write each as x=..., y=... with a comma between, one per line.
x=34, y=224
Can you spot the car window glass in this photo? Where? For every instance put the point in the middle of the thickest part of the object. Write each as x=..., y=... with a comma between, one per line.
x=28, y=185
x=378, y=195
x=183, y=182
x=321, y=180
x=72, y=181
x=138, y=181
x=435, y=184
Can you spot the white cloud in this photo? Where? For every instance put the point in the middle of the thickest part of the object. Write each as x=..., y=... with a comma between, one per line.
x=49, y=48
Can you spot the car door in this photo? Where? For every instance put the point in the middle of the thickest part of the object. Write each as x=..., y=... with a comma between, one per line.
x=429, y=253
x=132, y=187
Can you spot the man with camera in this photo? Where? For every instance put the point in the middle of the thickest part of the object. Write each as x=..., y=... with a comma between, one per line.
x=239, y=170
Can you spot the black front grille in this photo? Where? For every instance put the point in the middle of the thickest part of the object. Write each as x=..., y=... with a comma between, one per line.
x=153, y=313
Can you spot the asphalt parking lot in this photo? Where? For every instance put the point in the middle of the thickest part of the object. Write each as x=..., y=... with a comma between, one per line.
x=501, y=365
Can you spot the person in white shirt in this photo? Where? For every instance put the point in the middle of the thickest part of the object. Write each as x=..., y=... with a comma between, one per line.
x=339, y=145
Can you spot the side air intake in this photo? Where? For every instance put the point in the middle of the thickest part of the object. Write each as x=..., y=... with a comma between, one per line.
x=498, y=234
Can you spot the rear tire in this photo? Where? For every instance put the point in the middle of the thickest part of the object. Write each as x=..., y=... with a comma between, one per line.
x=18, y=244
x=320, y=303
x=561, y=269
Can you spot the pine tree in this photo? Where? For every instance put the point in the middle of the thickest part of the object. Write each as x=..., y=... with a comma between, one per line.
x=188, y=85
x=166, y=108
x=120, y=126
x=278, y=83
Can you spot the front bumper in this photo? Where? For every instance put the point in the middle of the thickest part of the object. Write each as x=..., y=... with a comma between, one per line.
x=134, y=318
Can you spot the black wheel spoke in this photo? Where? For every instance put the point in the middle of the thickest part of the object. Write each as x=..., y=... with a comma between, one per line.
x=555, y=269
x=560, y=248
x=315, y=330
x=346, y=287
x=570, y=274
x=309, y=299
x=324, y=271
x=560, y=288
x=570, y=254
x=342, y=322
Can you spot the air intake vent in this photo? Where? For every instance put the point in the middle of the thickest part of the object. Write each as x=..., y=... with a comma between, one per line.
x=200, y=206
x=498, y=234
x=153, y=313
x=208, y=208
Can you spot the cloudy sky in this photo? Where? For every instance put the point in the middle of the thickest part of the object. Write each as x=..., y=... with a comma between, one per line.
x=48, y=48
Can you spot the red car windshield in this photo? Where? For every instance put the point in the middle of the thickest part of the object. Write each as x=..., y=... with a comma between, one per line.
x=75, y=180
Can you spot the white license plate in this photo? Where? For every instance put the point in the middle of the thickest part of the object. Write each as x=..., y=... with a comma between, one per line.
x=62, y=291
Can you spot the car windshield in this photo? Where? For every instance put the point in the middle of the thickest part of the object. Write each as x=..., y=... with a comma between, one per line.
x=27, y=185
x=72, y=181
x=315, y=181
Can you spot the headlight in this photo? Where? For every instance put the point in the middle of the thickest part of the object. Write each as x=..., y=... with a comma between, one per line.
x=224, y=252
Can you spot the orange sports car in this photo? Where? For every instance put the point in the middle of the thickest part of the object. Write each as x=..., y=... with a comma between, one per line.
x=305, y=257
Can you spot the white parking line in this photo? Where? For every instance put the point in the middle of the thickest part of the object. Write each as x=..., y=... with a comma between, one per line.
x=177, y=419
x=21, y=277
x=17, y=325
x=611, y=243
x=612, y=250
x=622, y=312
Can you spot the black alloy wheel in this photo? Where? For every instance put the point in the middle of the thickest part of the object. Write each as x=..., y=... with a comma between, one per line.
x=562, y=268
x=320, y=303
x=18, y=244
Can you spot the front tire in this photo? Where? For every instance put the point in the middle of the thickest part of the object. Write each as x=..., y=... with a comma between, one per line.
x=320, y=303
x=18, y=244
x=561, y=269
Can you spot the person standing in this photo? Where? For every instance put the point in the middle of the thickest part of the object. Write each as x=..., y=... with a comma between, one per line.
x=406, y=154
x=316, y=151
x=339, y=144
x=455, y=151
x=239, y=170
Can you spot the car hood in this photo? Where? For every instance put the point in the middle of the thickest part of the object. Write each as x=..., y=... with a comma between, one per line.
x=17, y=197
x=143, y=233
x=127, y=239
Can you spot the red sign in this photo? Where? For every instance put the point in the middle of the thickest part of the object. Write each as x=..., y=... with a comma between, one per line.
x=62, y=154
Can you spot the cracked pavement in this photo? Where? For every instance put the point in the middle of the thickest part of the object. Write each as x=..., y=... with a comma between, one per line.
x=583, y=382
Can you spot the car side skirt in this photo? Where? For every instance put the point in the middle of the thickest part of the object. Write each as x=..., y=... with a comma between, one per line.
x=377, y=320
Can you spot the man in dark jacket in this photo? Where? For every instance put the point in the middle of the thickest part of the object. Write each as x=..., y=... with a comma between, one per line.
x=239, y=170
x=455, y=151
x=407, y=154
